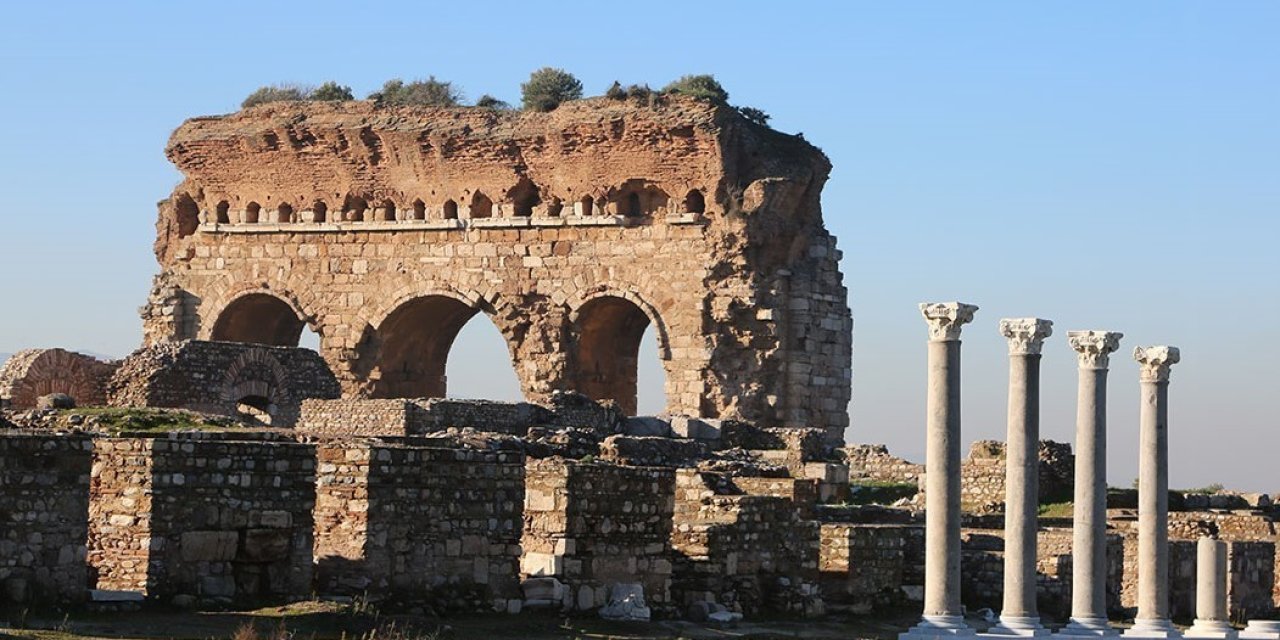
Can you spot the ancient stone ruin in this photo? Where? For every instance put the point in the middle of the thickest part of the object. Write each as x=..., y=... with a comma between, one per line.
x=349, y=472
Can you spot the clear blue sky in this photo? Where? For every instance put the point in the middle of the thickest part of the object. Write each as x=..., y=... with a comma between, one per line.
x=1105, y=165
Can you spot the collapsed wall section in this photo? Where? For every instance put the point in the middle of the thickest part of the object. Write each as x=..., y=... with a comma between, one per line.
x=402, y=519
x=44, y=517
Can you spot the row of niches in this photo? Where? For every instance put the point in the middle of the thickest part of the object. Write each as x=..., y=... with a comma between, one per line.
x=636, y=199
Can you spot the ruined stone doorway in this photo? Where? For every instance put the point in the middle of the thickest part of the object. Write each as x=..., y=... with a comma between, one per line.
x=258, y=318
x=608, y=333
x=414, y=344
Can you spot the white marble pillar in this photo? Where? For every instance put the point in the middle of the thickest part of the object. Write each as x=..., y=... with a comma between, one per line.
x=1018, y=615
x=1211, y=592
x=943, y=616
x=1152, y=620
x=1089, y=524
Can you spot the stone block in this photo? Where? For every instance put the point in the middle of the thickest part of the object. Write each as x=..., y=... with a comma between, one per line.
x=265, y=545
x=208, y=546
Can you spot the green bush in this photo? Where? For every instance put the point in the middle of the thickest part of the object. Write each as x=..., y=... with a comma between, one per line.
x=702, y=86
x=276, y=93
x=331, y=92
x=616, y=92
x=489, y=102
x=754, y=115
x=429, y=93
x=547, y=88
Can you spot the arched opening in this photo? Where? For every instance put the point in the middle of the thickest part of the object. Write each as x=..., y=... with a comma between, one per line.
x=187, y=213
x=694, y=202
x=587, y=206
x=477, y=370
x=252, y=212
x=555, y=208
x=353, y=209
x=651, y=376
x=388, y=211
x=284, y=213
x=309, y=339
x=639, y=198
x=524, y=197
x=419, y=210
x=414, y=344
x=258, y=318
x=450, y=210
x=320, y=211
x=255, y=409
x=631, y=206
x=223, y=212
x=481, y=206
x=608, y=332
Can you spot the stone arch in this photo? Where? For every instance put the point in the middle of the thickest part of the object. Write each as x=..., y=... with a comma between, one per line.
x=631, y=295
x=319, y=211
x=586, y=205
x=555, y=207
x=524, y=197
x=695, y=202
x=251, y=213
x=259, y=316
x=353, y=209
x=223, y=212
x=412, y=341
x=606, y=331
x=32, y=373
x=481, y=206
x=419, y=209
x=256, y=383
x=638, y=198
x=388, y=211
x=284, y=213
x=450, y=210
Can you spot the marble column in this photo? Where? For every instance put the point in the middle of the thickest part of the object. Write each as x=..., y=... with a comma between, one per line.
x=943, y=616
x=1152, y=620
x=1018, y=615
x=1211, y=592
x=1089, y=524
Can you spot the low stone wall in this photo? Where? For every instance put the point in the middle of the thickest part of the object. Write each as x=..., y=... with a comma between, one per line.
x=420, y=416
x=357, y=417
x=209, y=518
x=225, y=378
x=403, y=519
x=982, y=475
x=1251, y=579
x=861, y=566
x=592, y=525
x=874, y=462
x=44, y=517
x=746, y=552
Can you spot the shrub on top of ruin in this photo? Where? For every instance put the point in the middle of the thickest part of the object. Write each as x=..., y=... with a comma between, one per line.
x=427, y=93
x=331, y=92
x=616, y=92
x=487, y=101
x=547, y=88
x=276, y=93
x=702, y=86
x=754, y=115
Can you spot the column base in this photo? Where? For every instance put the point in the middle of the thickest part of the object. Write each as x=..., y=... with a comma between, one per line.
x=1261, y=630
x=1153, y=628
x=1088, y=628
x=1017, y=627
x=939, y=628
x=1211, y=629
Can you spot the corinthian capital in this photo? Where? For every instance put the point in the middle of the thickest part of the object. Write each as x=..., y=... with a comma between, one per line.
x=946, y=318
x=1155, y=362
x=1025, y=335
x=1094, y=348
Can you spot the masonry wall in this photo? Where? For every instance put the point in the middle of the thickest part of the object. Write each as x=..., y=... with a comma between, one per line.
x=401, y=519
x=592, y=525
x=862, y=566
x=747, y=552
x=216, y=517
x=874, y=462
x=421, y=416
x=32, y=373
x=44, y=516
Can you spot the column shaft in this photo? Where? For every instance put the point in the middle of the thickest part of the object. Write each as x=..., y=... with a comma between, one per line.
x=1089, y=527
x=1153, y=503
x=942, y=480
x=1022, y=481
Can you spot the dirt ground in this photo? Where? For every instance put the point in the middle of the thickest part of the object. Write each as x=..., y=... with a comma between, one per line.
x=321, y=621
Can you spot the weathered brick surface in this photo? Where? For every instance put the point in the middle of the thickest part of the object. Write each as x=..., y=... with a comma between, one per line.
x=32, y=373
x=400, y=519
x=386, y=229
x=44, y=517
x=596, y=524
x=421, y=416
x=221, y=517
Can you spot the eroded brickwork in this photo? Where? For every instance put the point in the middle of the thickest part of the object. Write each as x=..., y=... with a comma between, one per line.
x=32, y=373
x=385, y=230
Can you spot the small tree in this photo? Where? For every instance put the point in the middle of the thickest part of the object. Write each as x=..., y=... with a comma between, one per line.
x=754, y=115
x=331, y=92
x=548, y=87
x=489, y=102
x=429, y=92
x=276, y=93
x=702, y=86
x=616, y=92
